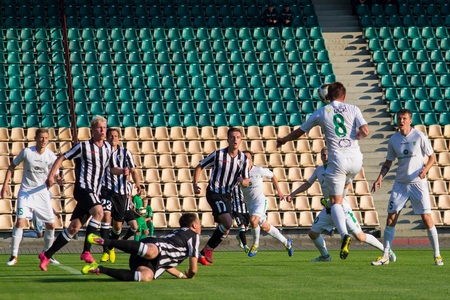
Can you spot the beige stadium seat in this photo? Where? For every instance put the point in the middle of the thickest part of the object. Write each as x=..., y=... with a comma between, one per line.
x=290, y=219
x=55, y=191
x=291, y=160
x=433, y=203
x=306, y=219
x=357, y=214
x=165, y=161
x=192, y=133
x=284, y=187
x=366, y=203
x=195, y=160
x=4, y=134
x=207, y=220
x=437, y=218
x=148, y=147
x=69, y=205
x=186, y=189
x=134, y=147
x=130, y=134
x=288, y=147
x=295, y=185
x=271, y=146
x=274, y=218
x=317, y=145
x=170, y=189
x=204, y=175
x=67, y=220
x=440, y=145
x=17, y=134
x=422, y=128
x=163, y=147
x=65, y=134
x=302, y=203
x=272, y=204
x=209, y=146
x=194, y=146
x=52, y=147
x=353, y=201
x=371, y=218
x=435, y=131
x=6, y=206
x=316, y=203
x=294, y=174
x=362, y=188
x=223, y=144
x=179, y=147
x=157, y=204
x=16, y=147
x=286, y=206
x=434, y=173
x=67, y=190
x=31, y=134
x=152, y=175
x=283, y=131
x=257, y=146
x=269, y=133
x=315, y=189
x=443, y=159
x=253, y=133
x=64, y=146
x=154, y=190
x=275, y=160
x=168, y=175
x=443, y=202
x=161, y=134
x=303, y=146
x=207, y=133
x=446, y=217
x=6, y=222
x=307, y=160
x=159, y=220
x=184, y=175
x=222, y=132
x=243, y=146
x=361, y=175
x=268, y=188
x=189, y=204
x=146, y=134
x=446, y=173
x=4, y=149
x=18, y=175
x=182, y=161
x=177, y=133
x=173, y=204
x=203, y=204
x=446, y=132
x=280, y=174
x=260, y=159
x=56, y=204
x=440, y=187
x=84, y=133
x=137, y=161
x=315, y=133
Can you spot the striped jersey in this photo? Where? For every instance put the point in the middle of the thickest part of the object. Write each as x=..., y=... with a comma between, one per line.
x=121, y=158
x=225, y=170
x=175, y=247
x=91, y=163
x=238, y=204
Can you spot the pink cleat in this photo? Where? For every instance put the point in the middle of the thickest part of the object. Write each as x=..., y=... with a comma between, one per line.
x=44, y=261
x=87, y=257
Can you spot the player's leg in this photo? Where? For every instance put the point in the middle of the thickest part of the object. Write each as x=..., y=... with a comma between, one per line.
x=256, y=233
x=132, y=229
x=142, y=273
x=275, y=233
x=106, y=222
x=322, y=222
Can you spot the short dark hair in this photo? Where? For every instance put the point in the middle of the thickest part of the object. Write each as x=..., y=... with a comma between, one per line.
x=234, y=129
x=187, y=219
x=404, y=111
x=336, y=90
x=40, y=130
x=111, y=129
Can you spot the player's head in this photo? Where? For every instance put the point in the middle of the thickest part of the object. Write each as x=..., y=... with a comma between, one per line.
x=98, y=128
x=336, y=91
x=324, y=155
x=234, y=138
x=249, y=155
x=142, y=193
x=41, y=138
x=286, y=6
x=113, y=136
x=191, y=220
x=271, y=6
x=404, y=118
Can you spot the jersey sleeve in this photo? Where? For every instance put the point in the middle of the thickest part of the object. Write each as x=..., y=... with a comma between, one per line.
x=19, y=158
x=359, y=119
x=209, y=160
x=313, y=177
x=130, y=160
x=75, y=152
x=245, y=170
x=311, y=121
x=390, y=150
x=426, y=146
x=266, y=173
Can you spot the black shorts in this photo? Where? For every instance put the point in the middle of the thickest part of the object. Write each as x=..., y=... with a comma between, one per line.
x=241, y=218
x=220, y=204
x=129, y=216
x=85, y=201
x=136, y=261
x=114, y=203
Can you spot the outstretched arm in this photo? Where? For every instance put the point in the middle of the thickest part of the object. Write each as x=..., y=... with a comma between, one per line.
x=300, y=189
x=277, y=186
x=290, y=137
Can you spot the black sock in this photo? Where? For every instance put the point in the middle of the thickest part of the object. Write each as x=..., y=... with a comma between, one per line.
x=131, y=247
x=89, y=230
x=215, y=239
x=60, y=242
x=243, y=237
x=129, y=234
x=104, y=233
x=119, y=274
x=113, y=236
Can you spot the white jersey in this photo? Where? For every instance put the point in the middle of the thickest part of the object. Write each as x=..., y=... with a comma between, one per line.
x=410, y=151
x=339, y=122
x=254, y=192
x=36, y=167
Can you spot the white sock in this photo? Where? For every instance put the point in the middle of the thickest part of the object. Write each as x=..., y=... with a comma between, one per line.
x=371, y=240
x=389, y=233
x=275, y=233
x=17, y=235
x=321, y=245
x=255, y=234
x=338, y=215
x=49, y=236
x=434, y=240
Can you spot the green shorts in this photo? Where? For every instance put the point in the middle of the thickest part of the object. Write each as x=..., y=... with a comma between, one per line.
x=142, y=225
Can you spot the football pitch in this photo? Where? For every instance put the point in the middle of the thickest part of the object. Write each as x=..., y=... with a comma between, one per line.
x=268, y=275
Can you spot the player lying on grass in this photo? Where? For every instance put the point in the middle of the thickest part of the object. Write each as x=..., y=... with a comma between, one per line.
x=150, y=257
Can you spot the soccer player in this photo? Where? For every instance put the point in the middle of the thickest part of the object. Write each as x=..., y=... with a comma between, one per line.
x=130, y=216
x=114, y=192
x=408, y=146
x=240, y=214
x=34, y=198
x=229, y=166
x=150, y=257
x=91, y=160
x=343, y=125
x=257, y=203
x=324, y=221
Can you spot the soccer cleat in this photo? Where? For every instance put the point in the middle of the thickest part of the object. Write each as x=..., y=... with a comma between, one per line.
x=246, y=249
x=204, y=261
x=54, y=262
x=208, y=254
x=94, y=239
x=12, y=261
x=392, y=256
x=90, y=269
x=326, y=258
x=345, y=246
x=381, y=261
x=105, y=257
x=240, y=242
x=289, y=248
x=112, y=256
x=44, y=261
x=87, y=257
x=438, y=261
x=253, y=251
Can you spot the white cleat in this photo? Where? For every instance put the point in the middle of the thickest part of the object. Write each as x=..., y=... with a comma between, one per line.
x=54, y=262
x=380, y=261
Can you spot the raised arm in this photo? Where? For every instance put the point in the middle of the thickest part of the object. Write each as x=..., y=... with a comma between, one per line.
x=290, y=137
x=300, y=189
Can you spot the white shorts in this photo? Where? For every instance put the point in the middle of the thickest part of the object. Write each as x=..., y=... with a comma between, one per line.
x=340, y=171
x=324, y=221
x=257, y=208
x=418, y=193
x=37, y=202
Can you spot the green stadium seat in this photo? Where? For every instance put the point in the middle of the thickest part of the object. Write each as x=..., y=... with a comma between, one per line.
x=159, y=120
x=444, y=118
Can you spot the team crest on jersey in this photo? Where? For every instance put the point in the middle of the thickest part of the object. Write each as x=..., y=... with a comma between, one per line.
x=414, y=143
x=328, y=109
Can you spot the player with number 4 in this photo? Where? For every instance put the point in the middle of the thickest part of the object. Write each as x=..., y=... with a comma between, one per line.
x=343, y=125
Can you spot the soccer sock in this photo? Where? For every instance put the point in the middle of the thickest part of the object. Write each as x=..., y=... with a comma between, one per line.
x=129, y=233
x=434, y=240
x=389, y=233
x=216, y=238
x=62, y=239
x=151, y=227
x=131, y=247
x=90, y=228
x=256, y=232
x=371, y=240
x=338, y=215
x=104, y=233
x=121, y=274
x=321, y=246
x=17, y=235
x=114, y=235
x=275, y=233
x=242, y=236
x=49, y=236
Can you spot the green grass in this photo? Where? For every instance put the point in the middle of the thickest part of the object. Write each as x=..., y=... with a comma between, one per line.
x=269, y=275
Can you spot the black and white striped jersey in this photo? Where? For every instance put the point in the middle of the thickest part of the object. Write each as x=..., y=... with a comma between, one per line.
x=121, y=158
x=238, y=204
